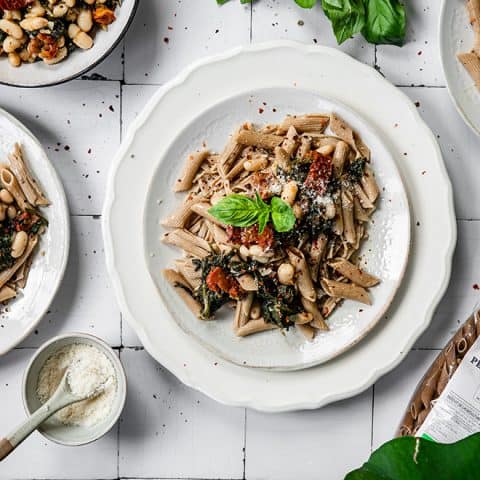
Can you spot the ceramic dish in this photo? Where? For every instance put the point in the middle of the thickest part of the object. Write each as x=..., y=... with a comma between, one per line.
x=384, y=253
x=52, y=428
x=456, y=35
x=39, y=74
x=22, y=314
x=415, y=151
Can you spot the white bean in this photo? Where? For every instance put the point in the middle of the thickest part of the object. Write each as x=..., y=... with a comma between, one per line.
x=84, y=20
x=62, y=53
x=73, y=30
x=285, y=273
x=289, y=192
x=6, y=196
x=70, y=3
x=11, y=212
x=33, y=23
x=10, y=44
x=60, y=10
x=83, y=40
x=19, y=244
x=11, y=28
x=14, y=59
x=297, y=210
x=244, y=252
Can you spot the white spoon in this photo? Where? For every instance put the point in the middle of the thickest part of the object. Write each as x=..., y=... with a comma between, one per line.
x=63, y=397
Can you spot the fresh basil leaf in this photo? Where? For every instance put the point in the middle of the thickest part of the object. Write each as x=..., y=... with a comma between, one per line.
x=306, y=3
x=385, y=22
x=263, y=220
x=221, y=2
x=347, y=17
x=283, y=217
x=409, y=458
x=236, y=210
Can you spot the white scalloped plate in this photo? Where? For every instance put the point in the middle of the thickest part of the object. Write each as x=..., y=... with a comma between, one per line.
x=23, y=313
x=456, y=35
x=332, y=75
x=384, y=253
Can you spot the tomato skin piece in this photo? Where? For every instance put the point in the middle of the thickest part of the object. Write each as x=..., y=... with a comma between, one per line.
x=248, y=236
x=14, y=4
x=219, y=281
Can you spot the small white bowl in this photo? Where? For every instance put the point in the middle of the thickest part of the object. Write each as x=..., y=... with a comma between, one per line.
x=39, y=74
x=53, y=429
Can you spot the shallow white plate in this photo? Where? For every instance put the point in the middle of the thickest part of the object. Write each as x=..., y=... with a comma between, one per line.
x=39, y=74
x=456, y=35
x=22, y=314
x=384, y=254
x=391, y=114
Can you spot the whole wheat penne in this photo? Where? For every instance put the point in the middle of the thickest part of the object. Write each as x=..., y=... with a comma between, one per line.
x=369, y=185
x=242, y=311
x=361, y=215
x=7, y=274
x=340, y=156
x=317, y=318
x=181, y=216
x=257, y=139
x=291, y=142
x=7, y=293
x=471, y=62
x=349, y=228
x=353, y=273
x=351, y=291
x=312, y=122
x=201, y=208
x=304, y=280
x=346, y=133
x=182, y=288
x=187, y=241
x=307, y=330
x=10, y=182
x=254, y=326
x=247, y=282
x=28, y=184
x=192, y=165
x=473, y=7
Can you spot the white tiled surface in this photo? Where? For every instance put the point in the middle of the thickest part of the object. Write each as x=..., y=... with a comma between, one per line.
x=169, y=431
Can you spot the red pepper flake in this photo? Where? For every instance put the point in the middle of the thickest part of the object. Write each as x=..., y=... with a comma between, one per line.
x=166, y=40
x=320, y=172
x=219, y=281
x=260, y=110
x=475, y=286
x=14, y=4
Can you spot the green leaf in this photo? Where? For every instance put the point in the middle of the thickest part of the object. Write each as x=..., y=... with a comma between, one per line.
x=306, y=3
x=221, y=2
x=409, y=458
x=236, y=210
x=385, y=22
x=347, y=17
x=283, y=217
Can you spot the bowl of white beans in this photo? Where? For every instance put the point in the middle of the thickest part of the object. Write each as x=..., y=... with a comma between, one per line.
x=46, y=42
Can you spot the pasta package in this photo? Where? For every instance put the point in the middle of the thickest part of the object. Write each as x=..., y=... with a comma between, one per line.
x=445, y=407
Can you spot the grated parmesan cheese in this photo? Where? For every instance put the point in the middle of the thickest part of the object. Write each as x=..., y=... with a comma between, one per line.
x=88, y=368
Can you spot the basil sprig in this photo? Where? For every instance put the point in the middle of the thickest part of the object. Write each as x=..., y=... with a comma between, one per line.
x=379, y=21
x=241, y=211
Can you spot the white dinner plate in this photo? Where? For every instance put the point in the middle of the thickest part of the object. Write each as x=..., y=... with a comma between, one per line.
x=392, y=116
x=384, y=253
x=39, y=74
x=456, y=35
x=22, y=314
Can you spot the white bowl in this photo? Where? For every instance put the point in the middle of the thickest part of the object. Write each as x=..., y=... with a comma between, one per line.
x=39, y=74
x=52, y=428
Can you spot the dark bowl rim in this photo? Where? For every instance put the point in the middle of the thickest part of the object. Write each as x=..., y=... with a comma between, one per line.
x=92, y=65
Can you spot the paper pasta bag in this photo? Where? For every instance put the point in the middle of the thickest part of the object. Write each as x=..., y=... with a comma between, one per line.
x=446, y=404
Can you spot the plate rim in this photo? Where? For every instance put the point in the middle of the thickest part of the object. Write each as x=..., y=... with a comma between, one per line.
x=443, y=62
x=222, y=397
x=61, y=191
x=372, y=131
x=85, y=70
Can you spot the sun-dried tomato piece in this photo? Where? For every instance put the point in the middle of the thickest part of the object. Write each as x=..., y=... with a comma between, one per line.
x=219, y=281
x=249, y=236
x=103, y=15
x=320, y=173
x=43, y=45
x=14, y=4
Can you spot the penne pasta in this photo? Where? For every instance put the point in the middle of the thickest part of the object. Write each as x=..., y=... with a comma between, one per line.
x=353, y=273
x=254, y=326
x=182, y=288
x=192, y=165
x=257, y=139
x=471, y=62
x=313, y=122
x=350, y=291
x=342, y=130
